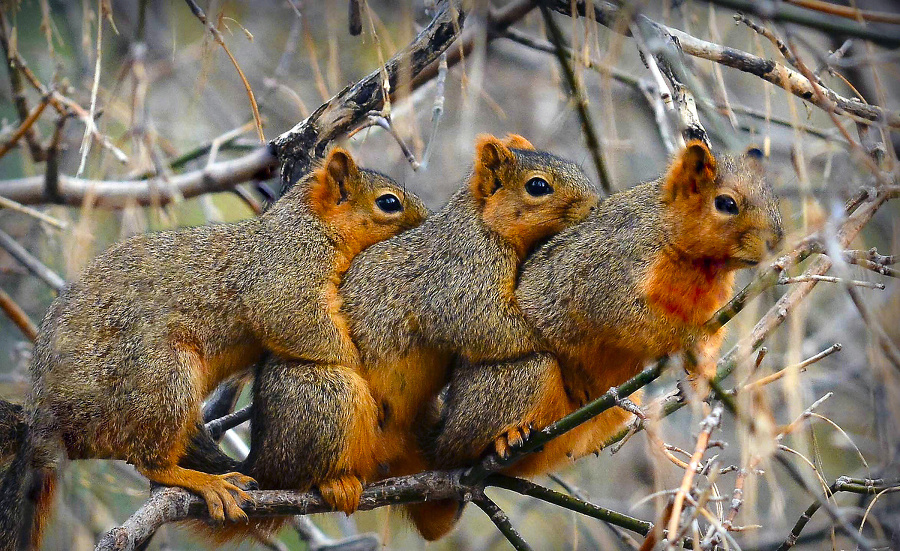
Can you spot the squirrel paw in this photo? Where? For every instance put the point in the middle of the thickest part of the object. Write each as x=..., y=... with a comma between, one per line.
x=219, y=495
x=512, y=439
x=342, y=493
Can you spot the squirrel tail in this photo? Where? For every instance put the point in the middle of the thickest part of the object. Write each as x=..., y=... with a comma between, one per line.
x=26, y=493
x=435, y=519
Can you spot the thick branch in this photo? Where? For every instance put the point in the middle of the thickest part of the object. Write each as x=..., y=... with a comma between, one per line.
x=117, y=194
x=308, y=140
x=174, y=504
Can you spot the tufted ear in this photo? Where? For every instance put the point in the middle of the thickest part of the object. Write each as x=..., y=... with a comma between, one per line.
x=337, y=180
x=492, y=159
x=755, y=159
x=692, y=171
x=515, y=141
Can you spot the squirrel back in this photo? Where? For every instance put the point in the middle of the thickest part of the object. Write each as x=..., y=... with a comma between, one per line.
x=450, y=282
x=447, y=286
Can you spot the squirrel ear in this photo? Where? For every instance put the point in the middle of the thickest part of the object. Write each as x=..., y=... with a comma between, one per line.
x=755, y=159
x=340, y=174
x=491, y=157
x=693, y=170
x=515, y=141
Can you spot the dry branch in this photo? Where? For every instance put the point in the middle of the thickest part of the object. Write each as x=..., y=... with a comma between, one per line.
x=18, y=316
x=309, y=139
x=780, y=75
x=118, y=194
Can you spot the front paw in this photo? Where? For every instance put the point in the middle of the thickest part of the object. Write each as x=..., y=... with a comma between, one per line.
x=512, y=439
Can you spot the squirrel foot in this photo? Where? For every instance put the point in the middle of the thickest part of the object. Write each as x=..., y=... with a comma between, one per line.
x=512, y=439
x=342, y=493
x=225, y=492
x=218, y=491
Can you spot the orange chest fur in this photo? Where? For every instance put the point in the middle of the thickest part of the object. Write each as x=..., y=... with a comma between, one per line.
x=687, y=293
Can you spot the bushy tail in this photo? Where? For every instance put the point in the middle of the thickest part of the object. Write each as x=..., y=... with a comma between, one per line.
x=26, y=493
x=434, y=519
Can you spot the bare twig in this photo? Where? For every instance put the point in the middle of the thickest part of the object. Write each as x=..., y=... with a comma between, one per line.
x=581, y=106
x=309, y=139
x=501, y=520
x=118, y=194
x=771, y=71
x=847, y=12
x=21, y=103
x=34, y=265
x=218, y=427
x=89, y=123
x=873, y=261
x=830, y=279
x=800, y=367
x=198, y=12
x=707, y=426
x=25, y=126
x=18, y=207
x=18, y=316
x=842, y=484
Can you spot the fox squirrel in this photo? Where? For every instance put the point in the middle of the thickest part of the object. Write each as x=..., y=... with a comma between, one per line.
x=126, y=353
x=412, y=302
x=635, y=281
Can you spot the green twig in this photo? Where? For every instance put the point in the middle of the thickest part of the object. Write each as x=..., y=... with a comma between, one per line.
x=608, y=400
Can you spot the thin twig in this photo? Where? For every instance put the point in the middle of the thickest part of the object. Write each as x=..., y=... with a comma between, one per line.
x=25, y=126
x=501, y=520
x=18, y=316
x=581, y=106
x=119, y=194
x=710, y=423
x=220, y=426
x=800, y=367
x=33, y=265
x=89, y=123
x=18, y=207
x=830, y=279
x=771, y=71
x=198, y=12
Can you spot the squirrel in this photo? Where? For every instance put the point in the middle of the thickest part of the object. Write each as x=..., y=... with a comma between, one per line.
x=126, y=353
x=635, y=281
x=412, y=303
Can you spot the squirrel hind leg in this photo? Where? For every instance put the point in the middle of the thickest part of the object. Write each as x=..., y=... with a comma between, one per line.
x=218, y=491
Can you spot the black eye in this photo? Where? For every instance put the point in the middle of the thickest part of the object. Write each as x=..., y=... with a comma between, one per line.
x=389, y=203
x=537, y=187
x=726, y=204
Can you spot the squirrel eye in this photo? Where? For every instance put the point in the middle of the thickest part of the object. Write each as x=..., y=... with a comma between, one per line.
x=726, y=204
x=389, y=203
x=537, y=187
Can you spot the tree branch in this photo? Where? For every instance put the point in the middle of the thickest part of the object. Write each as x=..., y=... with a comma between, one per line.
x=309, y=139
x=780, y=75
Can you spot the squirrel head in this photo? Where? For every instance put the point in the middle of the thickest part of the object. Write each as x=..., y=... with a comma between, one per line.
x=720, y=211
x=361, y=207
x=525, y=195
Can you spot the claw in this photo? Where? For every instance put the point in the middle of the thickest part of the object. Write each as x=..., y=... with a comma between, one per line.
x=342, y=493
x=513, y=438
